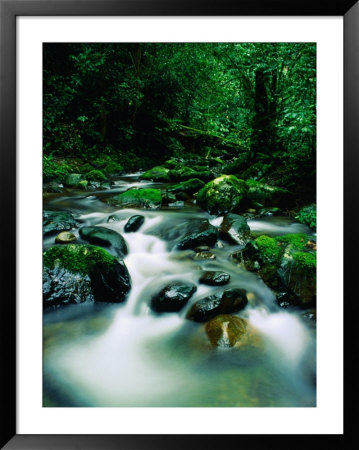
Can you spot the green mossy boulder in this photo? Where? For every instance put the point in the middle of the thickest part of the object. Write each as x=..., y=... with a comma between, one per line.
x=222, y=195
x=76, y=273
x=113, y=168
x=95, y=175
x=158, y=173
x=138, y=198
x=73, y=180
x=105, y=237
x=265, y=194
x=186, y=187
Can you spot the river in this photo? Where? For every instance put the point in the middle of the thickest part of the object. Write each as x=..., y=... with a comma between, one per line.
x=124, y=355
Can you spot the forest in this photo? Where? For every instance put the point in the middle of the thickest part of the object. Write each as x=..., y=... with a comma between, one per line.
x=179, y=224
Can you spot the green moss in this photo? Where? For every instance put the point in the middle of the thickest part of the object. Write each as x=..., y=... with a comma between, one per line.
x=95, y=175
x=147, y=198
x=297, y=241
x=222, y=195
x=192, y=185
x=306, y=260
x=157, y=173
x=113, y=168
x=77, y=258
x=86, y=168
x=308, y=216
x=269, y=249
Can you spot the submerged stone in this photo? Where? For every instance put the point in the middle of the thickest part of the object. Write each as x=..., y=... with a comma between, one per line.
x=226, y=330
x=65, y=237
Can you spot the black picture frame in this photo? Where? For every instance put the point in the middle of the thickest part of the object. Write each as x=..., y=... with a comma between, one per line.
x=9, y=10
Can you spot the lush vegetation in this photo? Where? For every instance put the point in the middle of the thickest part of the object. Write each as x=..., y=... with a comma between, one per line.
x=133, y=106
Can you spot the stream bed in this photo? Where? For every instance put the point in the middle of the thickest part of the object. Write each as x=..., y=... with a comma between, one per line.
x=125, y=355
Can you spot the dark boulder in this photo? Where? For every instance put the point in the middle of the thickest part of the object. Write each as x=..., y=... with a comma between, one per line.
x=234, y=228
x=105, y=237
x=231, y=300
x=56, y=221
x=199, y=232
x=173, y=297
x=134, y=223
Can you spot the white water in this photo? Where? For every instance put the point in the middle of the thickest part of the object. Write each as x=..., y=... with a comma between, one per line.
x=127, y=356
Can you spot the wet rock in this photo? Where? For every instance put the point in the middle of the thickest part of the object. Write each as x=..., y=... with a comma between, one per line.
x=106, y=238
x=61, y=287
x=158, y=173
x=226, y=330
x=177, y=204
x=234, y=228
x=65, y=237
x=113, y=218
x=202, y=256
x=73, y=180
x=138, y=198
x=134, y=223
x=75, y=273
x=54, y=188
x=215, y=278
x=168, y=198
x=222, y=195
x=173, y=297
x=230, y=301
x=55, y=221
x=200, y=232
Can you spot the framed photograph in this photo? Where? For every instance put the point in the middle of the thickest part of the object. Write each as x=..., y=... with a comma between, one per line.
x=170, y=171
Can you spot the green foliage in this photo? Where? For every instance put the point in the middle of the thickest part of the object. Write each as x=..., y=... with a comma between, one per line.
x=308, y=216
x=57, y=170
x=252, y=101
x=95, y=175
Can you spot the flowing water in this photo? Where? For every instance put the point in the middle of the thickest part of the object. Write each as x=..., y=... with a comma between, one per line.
x=125, y=355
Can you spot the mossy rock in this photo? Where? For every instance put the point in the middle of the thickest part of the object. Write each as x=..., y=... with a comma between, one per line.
x=138, y=198
x=188, y=187
x=298, y=274
x=264, y=250
x=226, y=330
x=222, y=195
x=158, y=173
x=95, y=175
x=86, y=168
x=74, y=180
x=265, y=194
x=107, y=278
x=298, y=241
x=113, y=168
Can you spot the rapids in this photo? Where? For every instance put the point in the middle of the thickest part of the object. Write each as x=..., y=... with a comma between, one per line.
x=125, y=355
